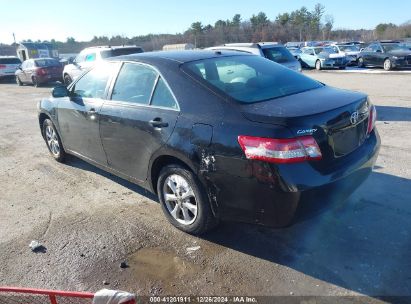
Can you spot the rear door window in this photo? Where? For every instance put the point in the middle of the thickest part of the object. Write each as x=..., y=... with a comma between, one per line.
x=134, y=84
x=162, y=96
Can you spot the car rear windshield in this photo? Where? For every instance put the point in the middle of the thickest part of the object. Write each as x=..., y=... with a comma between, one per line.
x=278, y=54
x=249, y=79
x=47, y=63
x=120, y=52
x=10, y=61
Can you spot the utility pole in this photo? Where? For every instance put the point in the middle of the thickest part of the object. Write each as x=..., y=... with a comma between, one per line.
x=14, y=38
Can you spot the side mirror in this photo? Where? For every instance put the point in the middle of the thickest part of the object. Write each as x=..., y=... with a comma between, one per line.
x=70, y=60
x=378, y=51
x=60, y=91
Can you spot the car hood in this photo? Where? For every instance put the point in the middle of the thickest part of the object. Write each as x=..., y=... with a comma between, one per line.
x=326, y=55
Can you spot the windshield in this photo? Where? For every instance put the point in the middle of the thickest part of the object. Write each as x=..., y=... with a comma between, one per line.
x=10, y=61
x=393, y=47
x=249, y=79
x=349, y=48
x=46, y=62
x=278, y=54
x=120, y=52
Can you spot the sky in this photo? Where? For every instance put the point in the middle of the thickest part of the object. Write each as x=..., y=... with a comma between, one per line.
x=83, y=19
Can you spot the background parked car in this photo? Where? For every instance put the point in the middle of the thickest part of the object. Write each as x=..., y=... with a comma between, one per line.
x=270, y=50
x=389, y=55
x=39, y=71
x=351, y=51
x=89, y=56
x=8, y=66
x=322, y=57
x=295, y=52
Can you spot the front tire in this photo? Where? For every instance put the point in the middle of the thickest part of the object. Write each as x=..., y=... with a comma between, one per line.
x=360, y=62
x=53, y=141
x=387, y=64
x=67, y=80
x=318, y=65
x=184, y=201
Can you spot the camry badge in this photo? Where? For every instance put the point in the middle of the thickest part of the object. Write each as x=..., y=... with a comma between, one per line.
x=354, y=117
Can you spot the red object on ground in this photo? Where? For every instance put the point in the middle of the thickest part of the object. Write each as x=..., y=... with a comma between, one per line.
x=41, y=296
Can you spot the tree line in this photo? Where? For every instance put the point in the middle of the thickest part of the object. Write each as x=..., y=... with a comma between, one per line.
x=299, y=25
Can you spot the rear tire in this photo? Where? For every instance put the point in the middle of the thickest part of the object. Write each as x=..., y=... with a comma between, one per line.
x=342, y=68
x=184, y=201
x=53, y=141
x=18, y=81
x=35, y=82
x=318, y=65
x=67, y=80
x=387, y=64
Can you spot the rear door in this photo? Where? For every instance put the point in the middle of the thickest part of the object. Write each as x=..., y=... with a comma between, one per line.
x=137, y=120
x=79, y=114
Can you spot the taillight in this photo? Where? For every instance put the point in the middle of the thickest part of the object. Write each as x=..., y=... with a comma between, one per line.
x=372, y=117
x=3, y=66
x=42, y=71
x=280, y=150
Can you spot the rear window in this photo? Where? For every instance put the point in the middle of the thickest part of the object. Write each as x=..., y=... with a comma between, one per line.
x=10, y=61
x=120, y=52
x=46, y=63
x=249, y=79
x=278, y=54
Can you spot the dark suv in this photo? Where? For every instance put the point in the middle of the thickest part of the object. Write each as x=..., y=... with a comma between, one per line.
x=386, y=54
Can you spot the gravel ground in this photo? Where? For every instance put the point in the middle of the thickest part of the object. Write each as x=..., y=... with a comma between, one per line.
x=90, y=221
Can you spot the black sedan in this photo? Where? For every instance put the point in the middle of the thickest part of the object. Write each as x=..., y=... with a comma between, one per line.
x=216, y=135
x=388, y=55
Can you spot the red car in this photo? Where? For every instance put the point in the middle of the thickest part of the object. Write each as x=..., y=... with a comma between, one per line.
x=39, y=71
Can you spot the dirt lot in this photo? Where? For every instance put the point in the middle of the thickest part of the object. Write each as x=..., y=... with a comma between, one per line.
x=90, y=221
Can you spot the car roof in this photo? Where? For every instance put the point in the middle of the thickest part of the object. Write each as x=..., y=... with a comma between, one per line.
x=178, y=56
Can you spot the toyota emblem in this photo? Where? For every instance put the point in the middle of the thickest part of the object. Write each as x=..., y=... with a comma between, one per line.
x=354, y=117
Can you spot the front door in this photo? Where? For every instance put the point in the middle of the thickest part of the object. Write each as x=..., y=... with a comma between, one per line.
x=78, y=115
x=137, y=120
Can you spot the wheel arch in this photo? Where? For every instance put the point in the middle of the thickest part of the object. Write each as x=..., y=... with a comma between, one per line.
x=160, y=162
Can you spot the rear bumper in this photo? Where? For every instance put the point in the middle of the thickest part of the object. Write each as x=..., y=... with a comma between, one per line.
x=48, y=78
x=258, y=192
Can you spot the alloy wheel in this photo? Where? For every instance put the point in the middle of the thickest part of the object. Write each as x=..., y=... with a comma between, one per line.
x=52, y=141
x=180, y=199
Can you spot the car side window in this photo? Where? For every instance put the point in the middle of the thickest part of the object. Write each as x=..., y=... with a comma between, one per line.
x=309, y=51
x=80, y=57
x=162, y=96
x=93, y=84
x=134, y=83
x=90, y=57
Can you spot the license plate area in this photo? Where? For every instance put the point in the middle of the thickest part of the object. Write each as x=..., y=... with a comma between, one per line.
x=346, y=140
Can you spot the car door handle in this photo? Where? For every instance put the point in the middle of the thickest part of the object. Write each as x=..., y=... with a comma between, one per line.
x=158, y=123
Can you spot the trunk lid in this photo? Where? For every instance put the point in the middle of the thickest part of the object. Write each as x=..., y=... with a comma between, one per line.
x=337, y=119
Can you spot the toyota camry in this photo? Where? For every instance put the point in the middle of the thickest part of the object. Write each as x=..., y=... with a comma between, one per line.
x=216, y=135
